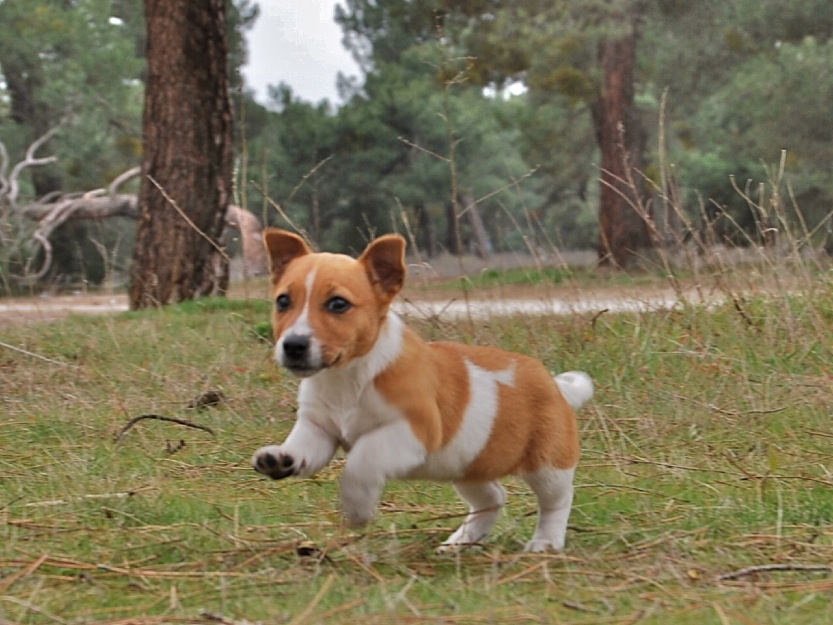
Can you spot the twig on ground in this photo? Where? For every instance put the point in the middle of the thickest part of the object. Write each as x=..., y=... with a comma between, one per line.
x=766, y=568
x=223, y=620
x=158, y=417
x=61, y=502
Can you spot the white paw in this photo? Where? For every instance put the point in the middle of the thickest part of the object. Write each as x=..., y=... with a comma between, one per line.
x=448, y=547
x=358, y=518
x=542, y=545
x=460, y=540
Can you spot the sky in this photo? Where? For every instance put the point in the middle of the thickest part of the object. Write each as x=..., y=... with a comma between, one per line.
x=299, y=43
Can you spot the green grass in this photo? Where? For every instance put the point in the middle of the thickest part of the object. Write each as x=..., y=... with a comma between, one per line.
x=544, y=277
x=707, y=448
x=490, y=278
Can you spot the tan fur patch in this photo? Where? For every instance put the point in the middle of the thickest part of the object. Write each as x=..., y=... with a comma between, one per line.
x=535, y=427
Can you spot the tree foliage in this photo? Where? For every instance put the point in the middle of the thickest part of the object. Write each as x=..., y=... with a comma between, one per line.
x=428, y=138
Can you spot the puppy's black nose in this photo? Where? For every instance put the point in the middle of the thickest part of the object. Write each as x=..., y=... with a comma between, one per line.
x=296, y=346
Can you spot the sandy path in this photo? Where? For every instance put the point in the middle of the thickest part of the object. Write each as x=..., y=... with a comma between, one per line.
x=448, y=305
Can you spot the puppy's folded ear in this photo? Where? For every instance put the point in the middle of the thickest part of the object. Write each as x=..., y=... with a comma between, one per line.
x=384, y=260
x=283, y=247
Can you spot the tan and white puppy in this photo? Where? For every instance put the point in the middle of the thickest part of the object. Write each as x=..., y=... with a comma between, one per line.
x=402, y=408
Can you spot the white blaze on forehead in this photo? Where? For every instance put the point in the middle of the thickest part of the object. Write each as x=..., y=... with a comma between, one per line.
x=302, y=323
x=302, y=327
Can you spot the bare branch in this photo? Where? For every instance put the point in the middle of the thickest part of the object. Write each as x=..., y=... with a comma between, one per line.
x=84, y=207
x=122, y=178
x=30, y=160
x=54, y=209
x=29, y=276
x=4, y=168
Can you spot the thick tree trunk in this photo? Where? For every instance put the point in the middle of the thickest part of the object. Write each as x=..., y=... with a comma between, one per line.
x=623, y=231
x=187, y=143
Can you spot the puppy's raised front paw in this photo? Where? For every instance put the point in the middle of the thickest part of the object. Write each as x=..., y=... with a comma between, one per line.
x=274, y=463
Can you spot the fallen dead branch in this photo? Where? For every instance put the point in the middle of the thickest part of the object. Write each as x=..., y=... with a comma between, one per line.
x=158, y=417
x=55, y=209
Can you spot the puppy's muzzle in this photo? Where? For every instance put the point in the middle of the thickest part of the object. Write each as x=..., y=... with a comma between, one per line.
x=295, y=352
x=296, y=349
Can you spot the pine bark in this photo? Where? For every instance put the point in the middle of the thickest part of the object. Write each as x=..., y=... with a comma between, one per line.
x=623, y=231
x=187, y=155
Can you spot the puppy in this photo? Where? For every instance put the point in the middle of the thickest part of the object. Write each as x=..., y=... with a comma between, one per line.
x=402, y=408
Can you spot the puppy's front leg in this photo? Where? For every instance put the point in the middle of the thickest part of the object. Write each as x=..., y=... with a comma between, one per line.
x=304, y=452
x=388, y=452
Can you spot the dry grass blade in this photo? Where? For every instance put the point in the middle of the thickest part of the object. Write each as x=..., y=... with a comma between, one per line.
x=34, y=355
x=7, y=582
x=308, y=610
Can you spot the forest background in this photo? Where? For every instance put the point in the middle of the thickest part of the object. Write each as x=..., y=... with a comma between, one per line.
x=478, y=112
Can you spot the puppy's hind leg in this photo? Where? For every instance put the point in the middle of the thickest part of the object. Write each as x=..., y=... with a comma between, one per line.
x=554, y=489
x=485, y=500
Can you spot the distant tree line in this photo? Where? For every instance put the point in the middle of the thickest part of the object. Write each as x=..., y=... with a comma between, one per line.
x=429, y=140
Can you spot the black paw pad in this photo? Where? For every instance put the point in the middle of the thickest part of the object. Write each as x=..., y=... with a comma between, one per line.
x=276, y=466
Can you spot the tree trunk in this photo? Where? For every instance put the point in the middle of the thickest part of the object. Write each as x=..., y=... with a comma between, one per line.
x=454, y=238
x=187, y=152
x=623, y=231
x=482, y=242
x=425, y=230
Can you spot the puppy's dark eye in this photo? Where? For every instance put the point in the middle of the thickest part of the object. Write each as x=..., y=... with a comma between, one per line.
x=338, y=305
x=282, y=302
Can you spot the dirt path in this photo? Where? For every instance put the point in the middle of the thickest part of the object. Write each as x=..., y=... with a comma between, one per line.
x=420, y=303
x=17, y=310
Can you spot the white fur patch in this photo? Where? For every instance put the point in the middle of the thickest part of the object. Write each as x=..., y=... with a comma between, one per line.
x=576, y=387
x=554, y=489
x=302, y=327
x=385, y=453
x=343, y=400
x=485, y=500
x=451, y=461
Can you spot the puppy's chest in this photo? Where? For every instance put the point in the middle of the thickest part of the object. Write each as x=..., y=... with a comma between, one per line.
x=346, y=410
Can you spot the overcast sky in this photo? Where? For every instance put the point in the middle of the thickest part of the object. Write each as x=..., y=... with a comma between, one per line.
x=299, y=43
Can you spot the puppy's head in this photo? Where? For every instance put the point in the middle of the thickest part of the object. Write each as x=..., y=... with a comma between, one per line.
x=329, y=308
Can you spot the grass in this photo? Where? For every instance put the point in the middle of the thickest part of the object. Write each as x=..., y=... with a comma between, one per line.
x=707, y=449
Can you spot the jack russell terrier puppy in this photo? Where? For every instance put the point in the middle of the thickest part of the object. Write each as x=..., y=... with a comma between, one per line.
x=402, y=408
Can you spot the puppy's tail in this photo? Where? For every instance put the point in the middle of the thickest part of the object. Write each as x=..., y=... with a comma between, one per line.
x=576, y=386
